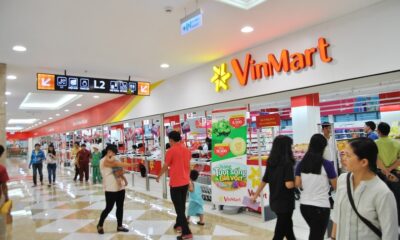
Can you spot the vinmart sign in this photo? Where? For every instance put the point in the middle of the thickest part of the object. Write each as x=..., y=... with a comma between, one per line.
x=287, y=62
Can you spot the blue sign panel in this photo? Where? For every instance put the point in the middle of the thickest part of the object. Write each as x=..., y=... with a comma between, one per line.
x=191, y=22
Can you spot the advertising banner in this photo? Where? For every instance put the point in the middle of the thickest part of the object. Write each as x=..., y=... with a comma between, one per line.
x=229, y=156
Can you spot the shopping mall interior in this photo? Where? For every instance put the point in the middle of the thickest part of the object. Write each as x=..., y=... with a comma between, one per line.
x=128, y=73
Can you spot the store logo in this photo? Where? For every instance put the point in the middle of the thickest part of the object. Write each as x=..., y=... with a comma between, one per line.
x=221, y=77
x=286, y=63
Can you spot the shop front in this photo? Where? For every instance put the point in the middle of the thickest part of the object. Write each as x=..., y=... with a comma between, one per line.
x=285, y=87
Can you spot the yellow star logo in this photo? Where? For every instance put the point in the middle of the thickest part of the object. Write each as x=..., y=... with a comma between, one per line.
x=221, y=77
x=255, y=177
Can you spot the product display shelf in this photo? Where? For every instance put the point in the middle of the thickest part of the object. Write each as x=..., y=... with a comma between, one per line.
x=203, y=165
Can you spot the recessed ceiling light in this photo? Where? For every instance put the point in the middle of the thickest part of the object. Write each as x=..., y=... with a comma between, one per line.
x=22, y=121
x=19, y=48
x=164, y=65
x=5, y=103
x=95, y=96
x=247, y=29
x=50, y=118
x=11, y=77
x=47, y=101
x=39, y=123
x=79, y=105
x=7, y=93
x=57, y=114
x=13, y=128
x=66, y=110
x=45, y=120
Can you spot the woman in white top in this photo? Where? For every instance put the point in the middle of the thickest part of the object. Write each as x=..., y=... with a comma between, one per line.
x=372, y=198
x=315, y=175
x=51, y=160
x=114, y=192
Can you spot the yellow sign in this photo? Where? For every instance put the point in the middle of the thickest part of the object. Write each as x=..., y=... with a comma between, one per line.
x=221, y=77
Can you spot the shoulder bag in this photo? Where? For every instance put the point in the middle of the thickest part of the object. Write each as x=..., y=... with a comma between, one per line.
x=363, y=219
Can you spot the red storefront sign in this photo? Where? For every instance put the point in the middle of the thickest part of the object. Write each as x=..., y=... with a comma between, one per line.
x=270, y=120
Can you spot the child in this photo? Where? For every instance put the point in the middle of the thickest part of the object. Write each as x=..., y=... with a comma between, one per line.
x=119, y=174
x=96, y=157
x=195, y=198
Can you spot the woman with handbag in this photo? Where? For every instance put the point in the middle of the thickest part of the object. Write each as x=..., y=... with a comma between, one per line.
x=315, y=176
x=365, y=208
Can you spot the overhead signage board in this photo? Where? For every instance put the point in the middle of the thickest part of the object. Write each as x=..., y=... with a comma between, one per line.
x=53, y=82
x=270, y=120
x=191, y=22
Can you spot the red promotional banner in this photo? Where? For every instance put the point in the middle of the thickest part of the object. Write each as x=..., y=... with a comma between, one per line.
x=268, y=120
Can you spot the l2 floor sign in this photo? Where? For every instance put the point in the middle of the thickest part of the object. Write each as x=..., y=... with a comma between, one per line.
x=53, y=82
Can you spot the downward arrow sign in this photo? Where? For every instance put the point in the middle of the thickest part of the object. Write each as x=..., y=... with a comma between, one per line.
x=46, y=82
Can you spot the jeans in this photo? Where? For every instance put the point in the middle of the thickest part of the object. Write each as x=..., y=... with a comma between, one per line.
x=284, y=226
x=178, y=197
x=37, y=167
x=317, y=219
x=51, y=170
x=111, y=199
x=84, y=170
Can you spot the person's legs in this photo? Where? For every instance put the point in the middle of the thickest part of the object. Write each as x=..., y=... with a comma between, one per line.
x=178, y=197
x=34, y=169
x=76, y=172
x=86, y=172
x=317, y=218
x=54, y=172
x=284, y=226
x=81, y=170
x=49, y=172
x=110, y=200
x=120, y=207
x=40, y=168
x=94, y=174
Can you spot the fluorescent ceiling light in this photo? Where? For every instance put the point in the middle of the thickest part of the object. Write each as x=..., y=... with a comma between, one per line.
x=247, y=29
x=95, y=96
x=79, y=105
x=14, y=128
x=11, y=77
x=47, y=101
x=19, y=48
x=57, y=114
x=66, y=110
x=243, y=4
x=50, y=118
x=22, y=121
x=7, y=93
x=164, y=65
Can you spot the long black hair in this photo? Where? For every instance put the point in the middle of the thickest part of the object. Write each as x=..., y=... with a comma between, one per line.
x=313, y=159
x=281, y=152
x=53, y=151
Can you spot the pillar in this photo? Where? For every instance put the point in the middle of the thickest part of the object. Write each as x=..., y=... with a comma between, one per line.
x=306, y=116
x=3, y=108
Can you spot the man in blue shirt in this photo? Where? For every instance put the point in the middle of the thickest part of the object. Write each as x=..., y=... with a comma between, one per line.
x=369, y=129
x=36, y=163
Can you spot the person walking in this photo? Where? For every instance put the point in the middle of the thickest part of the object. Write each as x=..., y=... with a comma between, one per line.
x=51, y=160
x=177, y=159
x=5, y=202
x=83, y=157
x=365, y=208
x=331, y=151
x=37, y=158
x=96, y=157
x=279, y=174
x=74, y=151
x=114, y=192
x=315, y=176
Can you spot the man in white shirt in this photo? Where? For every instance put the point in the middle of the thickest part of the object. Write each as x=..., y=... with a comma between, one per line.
x=330, y=152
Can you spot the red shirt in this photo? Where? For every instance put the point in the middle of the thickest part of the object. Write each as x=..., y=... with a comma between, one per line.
x=178, y=159
x=83, y=156
x=3, y=174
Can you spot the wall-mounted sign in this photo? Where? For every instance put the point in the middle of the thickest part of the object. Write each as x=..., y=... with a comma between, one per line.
x=191, y=22
x=269, y=120
x=286, y=63
x=53, y=82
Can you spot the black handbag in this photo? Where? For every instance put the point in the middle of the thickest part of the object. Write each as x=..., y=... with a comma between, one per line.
x=363, y=219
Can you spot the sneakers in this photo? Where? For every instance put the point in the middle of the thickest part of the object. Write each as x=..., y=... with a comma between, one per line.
x=122, y=229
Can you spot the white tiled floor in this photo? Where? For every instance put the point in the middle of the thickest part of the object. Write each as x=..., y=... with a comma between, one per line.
x=88, y=236
x=65, y=226
x=54, y=214
x=46, y=205
x=144, y=228
x=223, y=231
x=91, y=198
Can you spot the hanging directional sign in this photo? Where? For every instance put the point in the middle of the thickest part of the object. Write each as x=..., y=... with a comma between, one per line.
x=54, y=82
